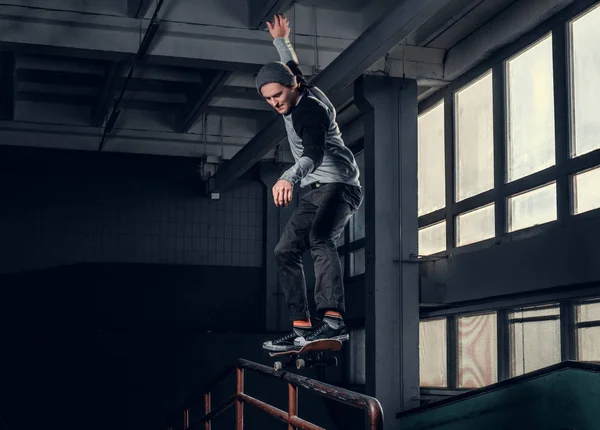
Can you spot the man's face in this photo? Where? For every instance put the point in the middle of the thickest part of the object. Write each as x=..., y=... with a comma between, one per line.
x=279, y=96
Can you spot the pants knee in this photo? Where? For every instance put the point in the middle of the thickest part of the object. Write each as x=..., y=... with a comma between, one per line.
x=283, y=251
x=321, y=245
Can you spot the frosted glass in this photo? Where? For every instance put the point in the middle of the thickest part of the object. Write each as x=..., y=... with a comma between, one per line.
x=433, y=353
x=475, y=138
x=534, y=345
x=585, y=57
x=588, y=344
x=431, y=176
x=530, y=111
x=532, y=207
x=477, y=351
x=586, y=191
x=476, y=225
x=588, y=312
x=432, y=239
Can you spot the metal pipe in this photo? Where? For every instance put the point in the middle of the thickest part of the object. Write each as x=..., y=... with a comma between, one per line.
x=279, y=414
x=239, y=407
x=207, y=424
x=186, y=419
x=219, y=409
x=292, y=403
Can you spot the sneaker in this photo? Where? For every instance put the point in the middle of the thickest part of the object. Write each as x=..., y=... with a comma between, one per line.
x=330, y=328
x=286, y=343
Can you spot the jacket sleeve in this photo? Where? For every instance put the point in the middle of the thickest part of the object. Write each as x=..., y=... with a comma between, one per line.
x=310, y=123
x=288, y=56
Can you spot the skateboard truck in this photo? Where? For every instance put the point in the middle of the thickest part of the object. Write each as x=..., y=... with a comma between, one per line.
x=315, y=355
x=316, y=359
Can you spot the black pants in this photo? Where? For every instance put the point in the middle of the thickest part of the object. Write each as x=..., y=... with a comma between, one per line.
x=316, y=224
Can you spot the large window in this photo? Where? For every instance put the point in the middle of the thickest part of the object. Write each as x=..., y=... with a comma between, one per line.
x=588, y=331
x=585, y=82
x=532, y=207
x=530, y=110
x=475, y=225
x=586, y=192
x=511, y=169
x=474, y=138
x=431, y=176
x=477, y=351
x=461, y=350
x=534, y=339
x=432, y=239
x=433, y=353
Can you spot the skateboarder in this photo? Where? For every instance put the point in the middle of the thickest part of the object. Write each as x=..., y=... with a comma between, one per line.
x=327, y=167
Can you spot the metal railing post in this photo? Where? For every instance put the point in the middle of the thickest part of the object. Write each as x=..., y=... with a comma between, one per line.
x=207, y=410
x=239, y=407
x=292, y=404
x=186, y=419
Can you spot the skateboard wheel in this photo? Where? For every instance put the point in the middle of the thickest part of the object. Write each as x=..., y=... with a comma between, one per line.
x=278, y=366
x=300, y=363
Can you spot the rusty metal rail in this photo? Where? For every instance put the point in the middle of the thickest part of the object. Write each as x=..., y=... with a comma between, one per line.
x=350, y=398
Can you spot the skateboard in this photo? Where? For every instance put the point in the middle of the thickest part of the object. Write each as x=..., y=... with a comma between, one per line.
x=315, y=352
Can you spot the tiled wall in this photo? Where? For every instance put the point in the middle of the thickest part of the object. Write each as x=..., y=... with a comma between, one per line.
x=66, y=207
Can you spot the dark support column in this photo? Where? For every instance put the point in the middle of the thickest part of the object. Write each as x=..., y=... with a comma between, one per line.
x=391, y=226
x=269, y=173
x=275, y=220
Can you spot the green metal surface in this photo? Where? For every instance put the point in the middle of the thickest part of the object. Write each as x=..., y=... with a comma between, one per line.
x=568, y=399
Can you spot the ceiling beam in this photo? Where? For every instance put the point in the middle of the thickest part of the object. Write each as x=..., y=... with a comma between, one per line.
x=107, y=94
x=260, y=10
x=199, y=101
x=137, y=8
x=513, y=22
x=176, y=44
x=7, y=86
x=123, y=140
x=394, y=26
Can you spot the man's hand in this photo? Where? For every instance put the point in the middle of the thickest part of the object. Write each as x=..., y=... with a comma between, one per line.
x=282, y=193
x=280, y=27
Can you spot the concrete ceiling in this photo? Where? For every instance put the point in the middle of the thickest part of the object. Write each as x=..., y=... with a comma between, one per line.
x=64, y=63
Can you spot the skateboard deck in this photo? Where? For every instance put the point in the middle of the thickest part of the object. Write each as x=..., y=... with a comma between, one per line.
x=315, y=350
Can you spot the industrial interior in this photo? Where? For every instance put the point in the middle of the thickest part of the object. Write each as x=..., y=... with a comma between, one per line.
x=137, y=224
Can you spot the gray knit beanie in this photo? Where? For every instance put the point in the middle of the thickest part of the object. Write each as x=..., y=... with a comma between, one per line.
x=275, y=72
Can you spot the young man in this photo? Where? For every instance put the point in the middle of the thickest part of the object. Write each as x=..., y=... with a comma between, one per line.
x=328, y=167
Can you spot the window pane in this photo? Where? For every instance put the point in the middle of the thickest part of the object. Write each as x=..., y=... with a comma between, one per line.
x=431, y=177
x=586, y=192
x=432, y=239
x=532, y=207
x=534, y=344
x=475, y=138
x=530, y=111
x=476, y=225
x=477, y=351
x=588, y=312
x=588, y=344
x=585, y=74
x=433, y=353
x=357, y=229
x=358, y=262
